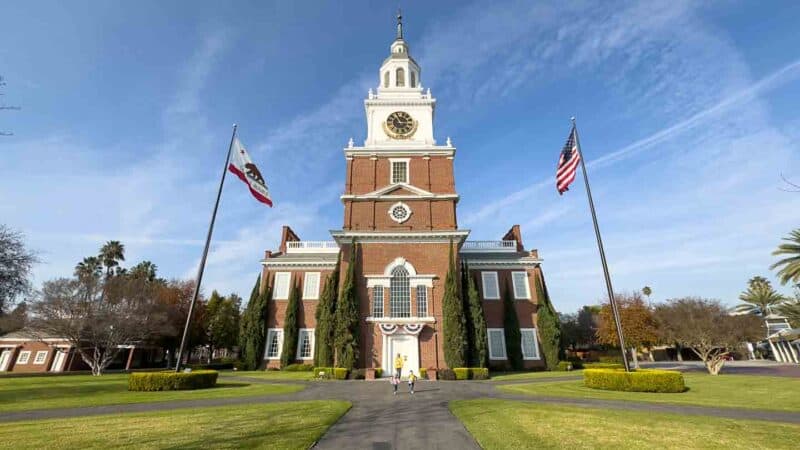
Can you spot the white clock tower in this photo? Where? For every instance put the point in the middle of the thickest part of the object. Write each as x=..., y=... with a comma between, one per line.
x=399, y=91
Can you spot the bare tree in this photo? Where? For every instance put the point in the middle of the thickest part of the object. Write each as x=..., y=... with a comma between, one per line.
x=98, y=325
x=6, y=107
x=706, y=327
x=16, y=263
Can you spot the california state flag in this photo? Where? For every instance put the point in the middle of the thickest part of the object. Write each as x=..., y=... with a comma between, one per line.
x=243, y=167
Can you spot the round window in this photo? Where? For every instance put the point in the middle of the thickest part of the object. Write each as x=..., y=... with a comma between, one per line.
x=399, y=212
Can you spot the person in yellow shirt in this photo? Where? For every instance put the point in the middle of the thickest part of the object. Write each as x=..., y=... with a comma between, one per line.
x=411, y=379
x=398, y=365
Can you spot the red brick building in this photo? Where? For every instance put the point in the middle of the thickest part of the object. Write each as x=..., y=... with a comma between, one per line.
x=400, y=206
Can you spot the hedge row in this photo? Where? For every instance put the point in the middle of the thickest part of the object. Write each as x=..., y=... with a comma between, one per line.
x=171, y=381
x=471, y=373
x=600, y=365
x=639, y=381
x=298, y=368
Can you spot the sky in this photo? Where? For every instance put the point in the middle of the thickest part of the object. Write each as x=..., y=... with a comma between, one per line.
x=687, y=113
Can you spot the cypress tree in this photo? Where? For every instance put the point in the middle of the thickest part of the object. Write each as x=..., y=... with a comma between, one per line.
x=253, y=328
x=290, y=330
x=469, y=329
x=548, y=324
x=453, y=319
x=480, y=349
x=325, y=315
x=511, y=331
x=347, y=317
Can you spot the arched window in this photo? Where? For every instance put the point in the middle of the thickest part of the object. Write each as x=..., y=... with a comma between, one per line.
x=413, y=82
x=399, y=293
x=386, y=79
x=401, y=77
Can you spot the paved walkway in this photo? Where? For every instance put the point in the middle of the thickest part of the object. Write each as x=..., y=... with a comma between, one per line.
x=381, y=420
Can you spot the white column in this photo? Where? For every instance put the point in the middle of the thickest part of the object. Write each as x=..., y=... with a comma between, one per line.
x=782, y=349
x=775, y=353
x=794, y=352
x=791, y=352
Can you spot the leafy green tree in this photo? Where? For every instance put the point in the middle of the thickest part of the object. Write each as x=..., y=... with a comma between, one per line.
x=290, y=327
x=222, y=322
x=347, y=317
x=790, y=265
x=511, y=330
x=548, y=324
x=324, y=351
x=253, y=328
x=759, y=298
x=453, y=319
x=479, y=350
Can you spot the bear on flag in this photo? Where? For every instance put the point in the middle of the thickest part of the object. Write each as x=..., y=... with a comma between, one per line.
x=241, y=164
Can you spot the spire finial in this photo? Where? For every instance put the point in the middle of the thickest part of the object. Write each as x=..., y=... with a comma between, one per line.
x=399, y=24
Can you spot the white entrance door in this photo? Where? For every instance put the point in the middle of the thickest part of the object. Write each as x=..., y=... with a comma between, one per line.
x=408, y=348
x=58, y=361
x=5, y=356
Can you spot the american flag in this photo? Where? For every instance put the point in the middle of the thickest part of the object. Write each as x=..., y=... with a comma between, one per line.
x=568, y=164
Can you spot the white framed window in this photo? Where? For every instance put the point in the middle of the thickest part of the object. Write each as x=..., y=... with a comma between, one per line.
x=491, y=289
x=41, y=357
x=305, y=344
x=377, y=301
x=282, y=280
x=522, y=290
x=399, y=212
x=530, y=347
x=497, y=343
x=399, y=170
x=399, y=293
x=311, y=286
x=401, y=77
x=422, y=301
x=23, y=357
x=274, y=343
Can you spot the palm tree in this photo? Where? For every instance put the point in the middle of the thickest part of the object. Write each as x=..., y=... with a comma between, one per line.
x=89, y=268
x=791, y=264
x=759, y=297
x=145, y=270
x=647, y=291
x=791, y=310
x=111, y=254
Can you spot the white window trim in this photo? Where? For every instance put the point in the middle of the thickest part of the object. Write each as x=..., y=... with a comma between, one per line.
x=310, y=332
x=408, y=170
x=402, y=205
x=277, y=295
x=314, y=295
x=496, y=285
x=489, y=343
x=44, y=359
x=535, y=344
x=26, y=354
x=280, y=343
x=527, y=295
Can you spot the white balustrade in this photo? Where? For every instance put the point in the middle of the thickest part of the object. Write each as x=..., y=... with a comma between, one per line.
x=312, y=247
x=489, y=246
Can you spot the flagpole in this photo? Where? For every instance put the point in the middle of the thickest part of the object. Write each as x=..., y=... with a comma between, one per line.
x=612, y=301
x=205, y=255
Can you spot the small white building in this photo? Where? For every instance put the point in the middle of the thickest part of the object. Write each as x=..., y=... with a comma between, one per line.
x=784, y=341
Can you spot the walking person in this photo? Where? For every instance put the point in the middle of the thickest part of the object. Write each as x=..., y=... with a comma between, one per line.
x=398, y=366
x=411, y=379
x=395, y=382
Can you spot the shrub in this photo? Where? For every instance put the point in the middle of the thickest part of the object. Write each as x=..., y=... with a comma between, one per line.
x=599, y=365
x=564, y=366
x=299, y=368
x=610, y=359
x=479, y=373
x=639, y=381
x=423, y=373
x=340, y=373
x=446, y=374
x=577, y=363
x=378, y=372
x=356, y=374
x=462, y=373
x=327, y=372
x=213, y=366
x=171, y=381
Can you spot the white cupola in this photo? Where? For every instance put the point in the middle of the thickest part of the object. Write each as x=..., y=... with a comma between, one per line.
x=399, y=73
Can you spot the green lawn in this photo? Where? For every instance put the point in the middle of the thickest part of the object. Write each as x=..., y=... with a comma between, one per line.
x=725, y=391
x=20, y=394
x=513, y=376
x=272, y=375
x=273, y=425
x=505, y=424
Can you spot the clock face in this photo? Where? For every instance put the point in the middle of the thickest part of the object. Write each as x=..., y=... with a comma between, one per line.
x=401, y=124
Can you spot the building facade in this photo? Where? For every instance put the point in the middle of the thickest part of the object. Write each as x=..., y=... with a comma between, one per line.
x=400, y=207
